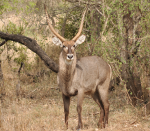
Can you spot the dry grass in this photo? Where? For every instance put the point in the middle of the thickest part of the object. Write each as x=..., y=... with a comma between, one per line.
x=41, y=109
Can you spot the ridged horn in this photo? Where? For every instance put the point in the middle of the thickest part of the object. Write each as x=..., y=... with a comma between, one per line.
x=51, y=27
x=81, y=26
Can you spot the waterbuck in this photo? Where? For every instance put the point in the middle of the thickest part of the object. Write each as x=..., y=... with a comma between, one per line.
x=90, y=75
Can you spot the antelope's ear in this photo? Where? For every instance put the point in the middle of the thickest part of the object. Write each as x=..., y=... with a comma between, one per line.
x=80, y=40
x=57, y=41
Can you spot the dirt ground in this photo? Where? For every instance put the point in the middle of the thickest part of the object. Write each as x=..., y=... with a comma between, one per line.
x=41, y=109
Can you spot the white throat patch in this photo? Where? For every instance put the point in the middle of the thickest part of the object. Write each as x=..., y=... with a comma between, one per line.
x=68, y=62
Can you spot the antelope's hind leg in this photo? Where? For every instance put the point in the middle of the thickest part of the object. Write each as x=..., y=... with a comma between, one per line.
x=103, y=94
x=97, y=99
x=66, y=101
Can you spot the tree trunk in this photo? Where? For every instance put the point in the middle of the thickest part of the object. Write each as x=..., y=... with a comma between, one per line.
x=129, y=73
x=2, y=93
x=148, y=100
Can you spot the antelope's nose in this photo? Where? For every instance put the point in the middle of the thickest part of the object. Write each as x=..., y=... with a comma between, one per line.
x=69, y=56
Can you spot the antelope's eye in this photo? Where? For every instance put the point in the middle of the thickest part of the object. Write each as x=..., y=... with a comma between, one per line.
x=64, y=46
x=74, y=46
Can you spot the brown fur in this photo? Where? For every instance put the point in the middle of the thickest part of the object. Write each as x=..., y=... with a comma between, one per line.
x=89, y=75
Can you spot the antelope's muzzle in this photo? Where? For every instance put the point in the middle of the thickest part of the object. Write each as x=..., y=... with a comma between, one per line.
x=69, y=56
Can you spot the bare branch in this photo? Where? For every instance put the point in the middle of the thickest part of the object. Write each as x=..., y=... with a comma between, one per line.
x=33, y=46
x=85, y=2
x=100, y=12
x=105, y=25
x=3, y=42
x=22, y=64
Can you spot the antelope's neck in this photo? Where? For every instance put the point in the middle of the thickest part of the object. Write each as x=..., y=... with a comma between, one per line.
x=66, y=70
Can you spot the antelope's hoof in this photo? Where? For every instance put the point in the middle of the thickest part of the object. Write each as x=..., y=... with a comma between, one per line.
x=101, y=126
x=78, y=128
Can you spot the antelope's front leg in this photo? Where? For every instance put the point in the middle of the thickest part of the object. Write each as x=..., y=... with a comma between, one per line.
x=79, y=109
x=66, y=101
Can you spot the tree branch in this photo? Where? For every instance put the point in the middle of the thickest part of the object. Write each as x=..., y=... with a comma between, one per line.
x=85, y=2
x=22, y=64
x=33, y=46
x=3, y=42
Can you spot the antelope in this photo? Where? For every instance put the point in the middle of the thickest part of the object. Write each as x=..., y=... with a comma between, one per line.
x=89, y=75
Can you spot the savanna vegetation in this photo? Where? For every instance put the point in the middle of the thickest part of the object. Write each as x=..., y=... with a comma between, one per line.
x=118, y=31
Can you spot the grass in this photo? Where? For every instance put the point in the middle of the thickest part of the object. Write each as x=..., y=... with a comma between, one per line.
x=45, y=112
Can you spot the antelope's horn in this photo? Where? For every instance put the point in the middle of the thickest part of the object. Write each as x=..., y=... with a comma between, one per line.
x=51, y=27
x=81, y=26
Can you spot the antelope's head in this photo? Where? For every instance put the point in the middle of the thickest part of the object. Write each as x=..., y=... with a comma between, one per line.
x=68, y=47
